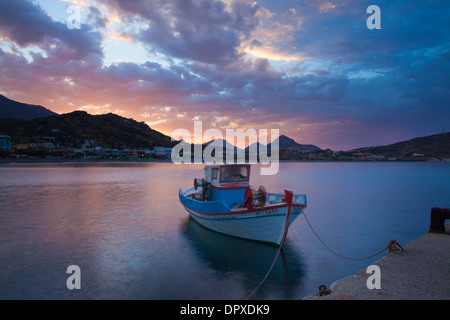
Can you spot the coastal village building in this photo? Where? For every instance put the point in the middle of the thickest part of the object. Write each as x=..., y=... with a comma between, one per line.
x=87, y=150
x=162, y=152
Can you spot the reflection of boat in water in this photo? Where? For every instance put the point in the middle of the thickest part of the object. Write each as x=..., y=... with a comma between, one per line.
x=248, y=260
x=225, y=202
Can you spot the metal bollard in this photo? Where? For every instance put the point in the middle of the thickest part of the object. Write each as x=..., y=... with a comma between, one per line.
x=438, y=217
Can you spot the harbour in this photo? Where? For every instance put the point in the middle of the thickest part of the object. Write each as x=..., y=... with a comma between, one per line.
x=224, y=153
x=122, y=224
x=420, y=272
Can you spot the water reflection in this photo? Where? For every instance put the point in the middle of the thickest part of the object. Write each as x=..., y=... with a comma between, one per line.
x=249, y=260
x=124, y=226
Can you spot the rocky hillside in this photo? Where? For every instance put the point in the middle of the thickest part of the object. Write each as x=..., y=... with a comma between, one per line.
x=18, y=110
x=72, y=129
x=437, y=145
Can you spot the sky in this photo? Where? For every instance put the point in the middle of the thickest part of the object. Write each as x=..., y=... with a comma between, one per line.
x=311, y=69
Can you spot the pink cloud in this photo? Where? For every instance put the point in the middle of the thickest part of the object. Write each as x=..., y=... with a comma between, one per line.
x=326, y=6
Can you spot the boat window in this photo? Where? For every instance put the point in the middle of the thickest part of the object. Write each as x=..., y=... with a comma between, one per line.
x=234, y=173
x=214, y=173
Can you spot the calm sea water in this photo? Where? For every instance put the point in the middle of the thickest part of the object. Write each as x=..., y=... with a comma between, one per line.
x=122, y=224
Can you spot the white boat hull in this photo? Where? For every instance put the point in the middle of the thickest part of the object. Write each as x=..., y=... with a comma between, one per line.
x=267, y=224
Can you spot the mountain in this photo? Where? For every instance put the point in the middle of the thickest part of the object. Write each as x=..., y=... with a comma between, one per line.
x=23, y=111
x=221, y=143
x=437, y=145
x=72, y=129
x=285, y=142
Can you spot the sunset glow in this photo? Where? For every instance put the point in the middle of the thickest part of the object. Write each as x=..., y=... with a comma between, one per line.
x=311, y=69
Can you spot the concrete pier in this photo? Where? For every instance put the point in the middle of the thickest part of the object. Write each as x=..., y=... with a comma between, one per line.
x=420, y=272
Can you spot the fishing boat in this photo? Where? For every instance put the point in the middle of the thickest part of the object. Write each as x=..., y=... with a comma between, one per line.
x=225, y=202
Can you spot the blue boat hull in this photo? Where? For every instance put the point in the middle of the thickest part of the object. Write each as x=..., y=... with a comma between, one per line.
x=267, y=224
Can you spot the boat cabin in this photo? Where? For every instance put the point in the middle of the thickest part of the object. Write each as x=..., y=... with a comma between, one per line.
x=227, y=183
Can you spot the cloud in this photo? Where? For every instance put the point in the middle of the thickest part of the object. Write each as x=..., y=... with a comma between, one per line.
x=326, y=6
x=273, y=38
x=199, y=30
x=321, y=78
x=26, y=24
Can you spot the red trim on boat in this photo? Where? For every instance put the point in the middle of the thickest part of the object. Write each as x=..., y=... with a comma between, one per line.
x=288, y=195
x=270, y=207
x=299, y=205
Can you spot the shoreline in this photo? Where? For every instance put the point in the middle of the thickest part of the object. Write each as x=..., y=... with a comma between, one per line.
x=420, y=272
x=25, y=160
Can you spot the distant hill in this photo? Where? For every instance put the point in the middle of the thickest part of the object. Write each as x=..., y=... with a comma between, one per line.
x=221, y=143
x=437, y=145
x=72, y=129
x=285, y=142
x=23, y=111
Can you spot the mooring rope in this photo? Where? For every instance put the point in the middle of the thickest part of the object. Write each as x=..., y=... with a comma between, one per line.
x=267, y=274
x=391, y=245
x=286, y=228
